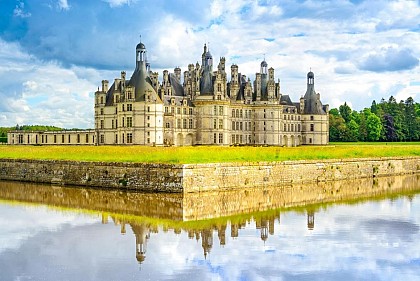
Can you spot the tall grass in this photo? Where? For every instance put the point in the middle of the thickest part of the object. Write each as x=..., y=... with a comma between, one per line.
x=208, y=154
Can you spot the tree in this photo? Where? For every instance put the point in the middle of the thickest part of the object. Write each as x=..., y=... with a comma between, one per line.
x=345, y=112
x=410, y=119
x=373, y=127
x=353, y=131
x=389, y=128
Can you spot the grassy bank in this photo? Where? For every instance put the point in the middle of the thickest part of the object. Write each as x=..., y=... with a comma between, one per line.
x=209, y=154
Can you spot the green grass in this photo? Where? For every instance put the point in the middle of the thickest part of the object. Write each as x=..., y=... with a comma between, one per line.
x=209, y=154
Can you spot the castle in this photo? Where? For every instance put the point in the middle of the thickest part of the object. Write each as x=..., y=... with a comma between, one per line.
x=205, y=109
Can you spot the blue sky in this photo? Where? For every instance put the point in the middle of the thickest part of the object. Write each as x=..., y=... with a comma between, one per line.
x=54, y=53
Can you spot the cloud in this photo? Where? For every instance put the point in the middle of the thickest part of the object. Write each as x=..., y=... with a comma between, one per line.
x=118, y=3
x=19, y=11
x=63, y=5
x=389, y=59
x=37, y=92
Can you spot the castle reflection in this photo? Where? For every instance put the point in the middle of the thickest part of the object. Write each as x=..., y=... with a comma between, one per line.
x=202, y=216
x=143, y=230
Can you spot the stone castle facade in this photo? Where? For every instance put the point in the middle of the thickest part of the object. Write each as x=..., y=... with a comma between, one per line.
x=206, y=108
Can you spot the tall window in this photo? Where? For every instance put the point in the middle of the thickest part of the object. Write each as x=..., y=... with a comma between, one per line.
x=191, y=124
x=220, y=138
x=129, y=122
x=102, y=124
x=184, y=123
x=220, y=110
x=312, y=127
x=129, y=137
x=220, y=123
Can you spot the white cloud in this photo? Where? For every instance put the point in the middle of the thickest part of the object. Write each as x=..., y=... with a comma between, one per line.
x=118, y=3
x=63, y=5
x=19, y=11
x=36, y=92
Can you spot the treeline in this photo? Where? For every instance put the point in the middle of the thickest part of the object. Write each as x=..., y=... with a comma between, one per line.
x=384, y=121
x=4, y=130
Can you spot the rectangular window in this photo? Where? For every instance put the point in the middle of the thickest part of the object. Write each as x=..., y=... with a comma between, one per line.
x=102, y=139
x=102, y=124
x=168, y=125
x=62, y=138
x=87, y=138
x=215, y=110
x=312, y=127
x=233, y=126
x=191, y=124
x=129, y=122
x=220, y=123
x=184, y=111
x=191, y=111
x=129, y=107
x=178, y=110
x=78, y=138
x=130, y=138
x=220, y=110
x=69, y=138
x=123, y=122
x=178, y=123
x=214, y=138
x=55, y=139
x=184, y=123
x=220, y=138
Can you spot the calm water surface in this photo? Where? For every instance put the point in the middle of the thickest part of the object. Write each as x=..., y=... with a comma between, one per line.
x=56, y=233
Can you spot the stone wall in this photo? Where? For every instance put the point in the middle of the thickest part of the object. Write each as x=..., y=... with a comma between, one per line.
x=133, y=176
x=201, y=177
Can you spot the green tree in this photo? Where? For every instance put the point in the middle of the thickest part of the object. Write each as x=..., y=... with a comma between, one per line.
x=353, y=131
x=373, y=127
x=345, y=112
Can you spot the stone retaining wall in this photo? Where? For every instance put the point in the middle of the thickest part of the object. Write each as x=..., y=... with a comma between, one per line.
x=135, y=176
x=202, y=177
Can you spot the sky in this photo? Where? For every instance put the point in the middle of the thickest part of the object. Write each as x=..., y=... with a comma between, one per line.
x=55, y=53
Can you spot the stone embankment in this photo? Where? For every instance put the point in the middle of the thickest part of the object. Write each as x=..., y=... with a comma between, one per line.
x=202, y=177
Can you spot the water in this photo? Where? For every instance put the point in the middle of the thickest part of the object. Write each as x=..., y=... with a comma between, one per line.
x=58, y=233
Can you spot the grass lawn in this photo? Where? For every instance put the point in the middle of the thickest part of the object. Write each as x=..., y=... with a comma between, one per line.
x=209, y=154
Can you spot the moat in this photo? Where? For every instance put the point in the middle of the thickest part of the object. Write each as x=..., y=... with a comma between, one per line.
x=290, y=233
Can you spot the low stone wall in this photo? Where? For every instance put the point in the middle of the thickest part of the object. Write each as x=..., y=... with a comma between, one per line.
x=134, y=176
x=201, y=177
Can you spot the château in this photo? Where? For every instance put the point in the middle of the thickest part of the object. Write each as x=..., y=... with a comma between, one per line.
x=203, y=106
